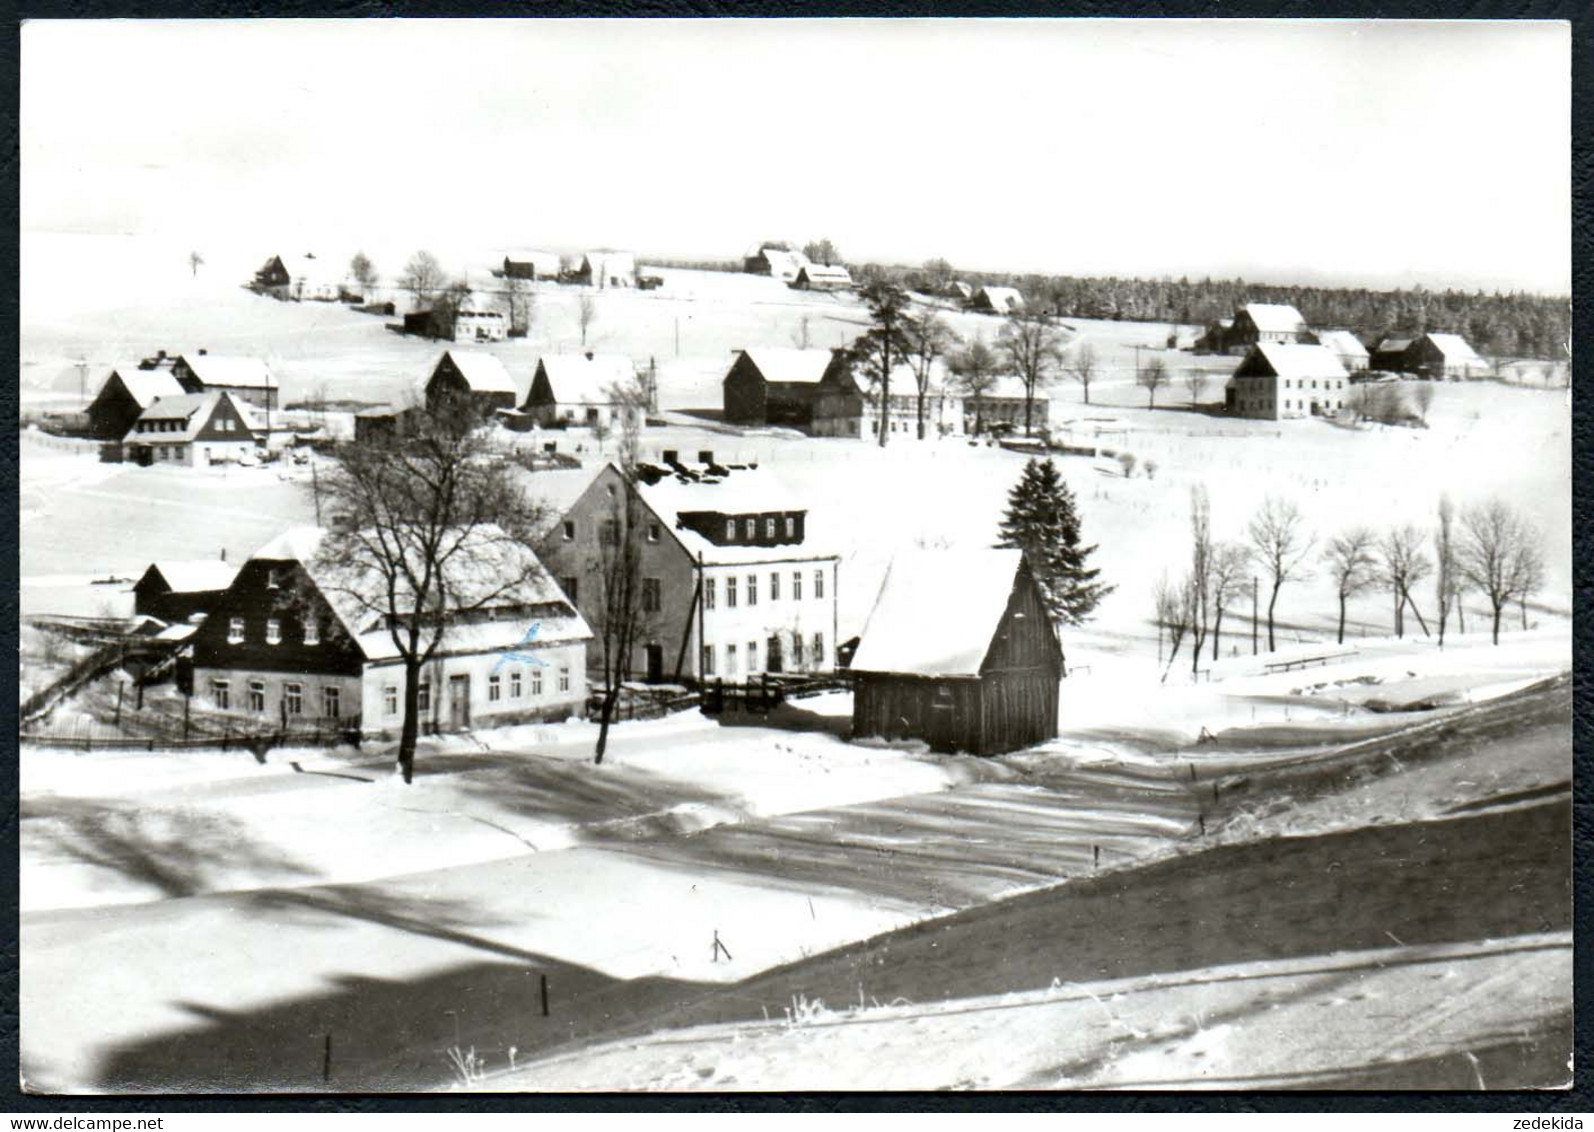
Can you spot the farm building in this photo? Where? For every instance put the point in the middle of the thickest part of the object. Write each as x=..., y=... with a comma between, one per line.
x=579, y=389
x=383, y=422
x=733, y=584
x=1265, y=322
x=476, y=319
x=1278, y=381
x=468, y=377
x=248, y=379
x=1002, y=405
x=526, y=263
x=958, y=652
x=175, y=591
x=777, y=263
x=299, y=638
x=273, y=278
x=821, y=277
x=122, y=398
x=1215, y=339
x=997, y=300
x=959, y=290
x=845, y=405
x=195, y=430
x=605, y=269
x=1346, y=347
x=774, y=385
x=1442, y=357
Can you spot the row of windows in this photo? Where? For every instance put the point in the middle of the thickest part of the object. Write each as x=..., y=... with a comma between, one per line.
x=1265, y=404
x=225, y=424
x=236, y=631
x=750, y=528
x=292, y=698
x=496, y=683
x=711, y=589
x=167, y=452
x=608, y=532
x=774, y=661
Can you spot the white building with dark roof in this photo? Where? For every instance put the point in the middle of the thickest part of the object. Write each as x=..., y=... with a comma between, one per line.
x=579, y=389
x=192, y=430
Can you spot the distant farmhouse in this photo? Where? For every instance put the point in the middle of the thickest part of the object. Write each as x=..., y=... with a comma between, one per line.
x=125, y=394
x=1277, y=381
x=733, y=585
x=959, y=290
x=960, y=653
x=303, y=279
x=273, y=278
x=248, y=379
x=175, y=591
x=193, y=430
x=467, y=377
x=774, y=262
x=291, y=640
x=526, y=263
x=1003, y=404
x=774, y=385
x=846, y=406
x=1254, y=323
x=384, y=423
x=821, y=277
x=1441, y=357
x=606, y=269
x=1346, y=347
x=997, y=300
x=578, y=389
x=1389, y=355
x=477, y=320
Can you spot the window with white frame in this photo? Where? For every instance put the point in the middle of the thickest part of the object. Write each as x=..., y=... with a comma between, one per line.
x=708, y=593
x=752, y=656
x=495, y=688
x=514, y=683
x=331, y=701
x=730, y=593
x=293, y=699
x=819, y=650
x=536, y=681
x=273, y=631
x=423, y=698
x=752, y=589
x=257, y=695
x=797, y=651
x=564, y=679
x=730, y=530
x=819, y=585
x=750, y=529
x=390, y=700
x=791, y=527
x=769, y=527
x=774, y=585
x=730, y=660
x=235, y=630
x=221, y=694
x=708, y=660
x=312, y=631
x=272, y=580
x=653, y=532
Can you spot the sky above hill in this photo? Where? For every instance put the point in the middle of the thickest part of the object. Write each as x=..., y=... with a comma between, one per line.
x=1384, y=154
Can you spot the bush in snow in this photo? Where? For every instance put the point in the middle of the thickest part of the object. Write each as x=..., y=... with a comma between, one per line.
x=1126, y=460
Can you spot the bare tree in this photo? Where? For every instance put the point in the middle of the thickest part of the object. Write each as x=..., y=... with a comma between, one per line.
x=1079, y=363
x=1352, y=565
x=1281, y=544
x=522, y=303
x=1196, y=381
x=624, y=610
x=1033, y=344
x=364, y=273
x=195, y=262
x=424, y=530
x=1404, y=565
x=1230, y=563
x=423, y=277
x=1200, y=570
x=586, y=314
x=928, y=339
x=1500, y=556
x=821, y=251
x=1152, y=377
x=975, y=367
x=446, y=305
x=1447, y=575
x=1175, y=610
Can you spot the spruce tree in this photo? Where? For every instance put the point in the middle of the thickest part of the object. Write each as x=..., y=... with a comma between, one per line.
x=1043, y=522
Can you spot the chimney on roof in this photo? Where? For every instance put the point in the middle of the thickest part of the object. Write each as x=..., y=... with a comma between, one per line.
x=705, y=457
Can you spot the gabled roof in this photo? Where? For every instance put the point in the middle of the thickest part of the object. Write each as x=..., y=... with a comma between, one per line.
x=546, y=263
x=833, y=272
x=783, y=264
x=1277, y=318
x=1342, y=342
x=742, y=491
x=205, y=575
x=1001, y=298
x=610, y=263
x=1295, y=359
x=145, y=385
x=937, y=612
x=586, y=378
x=485, y=560
x=788, y=365
x=1010, y=388
x=230, y=372
x=483, y=373
x=905, y=382
x=1454, y=348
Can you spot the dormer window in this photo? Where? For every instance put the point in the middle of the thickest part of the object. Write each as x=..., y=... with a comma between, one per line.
x=730, y=530
x=751, y=527
x=791, y=527
x=769, y=528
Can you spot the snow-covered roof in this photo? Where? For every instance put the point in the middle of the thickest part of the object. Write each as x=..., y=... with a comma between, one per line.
x=231, y=372
x=145, y=385
x=905, y=381
x=788, y=365
x=1342, y=342
x=609, y=264
x=1392, y=345
x=586, y=378
x=742, y=491
x=783, y=264
x=204, y=575
x=478, y=306
x=1277, y=318
x=1454, y=348
x=545, y=263
x=1002, y=298
x=1010, y=388
x=1295, y=359
x=192, y=408
x=483, y=373
x=828, y=272
x=937, y=612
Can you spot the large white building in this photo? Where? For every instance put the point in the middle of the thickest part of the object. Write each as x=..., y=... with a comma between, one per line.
x=1278, y=381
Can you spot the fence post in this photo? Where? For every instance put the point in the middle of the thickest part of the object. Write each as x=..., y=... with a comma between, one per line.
x=121, y=686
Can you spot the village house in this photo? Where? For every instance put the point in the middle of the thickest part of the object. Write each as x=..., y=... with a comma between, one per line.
x=176, y=591
x=846, y=406
x=526, y=263
x=248, y=379
x=295, y=639
x=1002, y=407
x=1215, y=339
x=605, y=269
x=997, y=300
x=821, y=277
x=579, y=389
x=1389, y=355
x=1277, y=381
x=126, y=393
x=733, y=583
x=774, y=385
x=467, y=377
x=194, y=430
x=273, y=278
x=1265, y=322
x=960, y=653
x=477, y=320
x=774, y=262
x=1443, y=357
x=959, y=290
x=1346, y=347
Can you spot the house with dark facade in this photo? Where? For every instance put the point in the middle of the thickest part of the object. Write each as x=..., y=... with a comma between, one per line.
x=194, y=430
x=580, y=389
x=606, y=269
x=1265, y=322
x=125, y=394
x=959, y=652
x=528, y=263
x=248, y=379
x=467, y=377
x=997, y=300
x=298, y=638
x=1279, y=381
x=821, y=277
x=384, y=423
x=1443, y=357
x=775, y=385
x=175, y=591
x=273, y=278
x=734, y=583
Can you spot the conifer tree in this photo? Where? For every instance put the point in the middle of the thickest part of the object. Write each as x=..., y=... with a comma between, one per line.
x=1043, y=522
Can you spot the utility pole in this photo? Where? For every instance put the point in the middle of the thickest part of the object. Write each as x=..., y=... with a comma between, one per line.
x=82, y=381
x=1253, y=614
x=1137, y=364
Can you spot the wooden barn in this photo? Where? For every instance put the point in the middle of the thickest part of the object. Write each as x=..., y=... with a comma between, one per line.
x=1255, y=323
x=126, y=394
x=774, y=385
x=466, y=376
x=1444, y=357
x=175, y=591
x=1389, y=355
x=529, y=263
x=821, y=277
x=959, y=652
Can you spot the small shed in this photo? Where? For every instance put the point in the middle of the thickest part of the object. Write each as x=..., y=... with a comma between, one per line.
x=959, y=652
